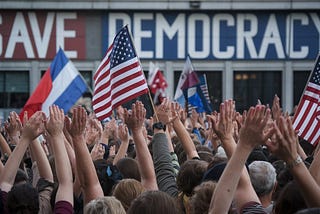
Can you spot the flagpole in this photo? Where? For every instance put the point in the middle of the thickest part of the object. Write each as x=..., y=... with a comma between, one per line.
x=314, y=66
x=150, y=98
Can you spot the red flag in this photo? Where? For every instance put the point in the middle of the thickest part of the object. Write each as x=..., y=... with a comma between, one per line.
x=307, y=117
x=156, y=80
x=119, y=77
x=157, y=83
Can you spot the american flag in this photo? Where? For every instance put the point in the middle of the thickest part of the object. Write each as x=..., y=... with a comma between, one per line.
x=307, y=117
x=119, y=77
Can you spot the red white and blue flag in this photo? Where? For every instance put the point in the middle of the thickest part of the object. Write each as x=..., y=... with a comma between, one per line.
x=188, y=80
x=61, y=85
x=307, y=116
x=119, y=77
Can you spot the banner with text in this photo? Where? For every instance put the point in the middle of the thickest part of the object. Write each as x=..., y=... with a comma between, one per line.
x=38, y=35
x=206, y=35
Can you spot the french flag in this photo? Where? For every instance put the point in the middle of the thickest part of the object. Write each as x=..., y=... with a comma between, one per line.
x=61, y=85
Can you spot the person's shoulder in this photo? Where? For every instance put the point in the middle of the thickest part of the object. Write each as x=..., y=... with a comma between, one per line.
x=252, y=207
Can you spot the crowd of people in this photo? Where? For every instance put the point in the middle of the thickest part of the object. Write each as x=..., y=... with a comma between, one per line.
x=224, y=162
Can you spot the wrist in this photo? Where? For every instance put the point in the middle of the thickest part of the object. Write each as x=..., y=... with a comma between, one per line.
x=294, y=162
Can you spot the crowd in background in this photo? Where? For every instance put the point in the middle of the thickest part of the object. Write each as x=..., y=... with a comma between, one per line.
x=224, y=162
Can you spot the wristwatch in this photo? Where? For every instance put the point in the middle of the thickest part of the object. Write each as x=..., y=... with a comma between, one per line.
x=295, y=162
x=159, y=125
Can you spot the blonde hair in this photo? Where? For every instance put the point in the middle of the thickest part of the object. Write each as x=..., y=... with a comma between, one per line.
x=104, y=205
x=127, y=190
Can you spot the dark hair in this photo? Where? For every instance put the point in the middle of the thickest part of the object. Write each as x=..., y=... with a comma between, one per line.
x=23, y=198
x=315, y=210
x=155, y=202
x=190, y=175
x=108, y=175
x=290, y=200
x=205, y=153
x=21, y=177
x=199, y=203
x=128, y=167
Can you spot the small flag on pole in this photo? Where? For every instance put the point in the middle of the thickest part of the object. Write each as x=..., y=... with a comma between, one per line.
x=188, y=79
x=157, y=83
x=119, y=77
x=307, y=116
x=61, y=85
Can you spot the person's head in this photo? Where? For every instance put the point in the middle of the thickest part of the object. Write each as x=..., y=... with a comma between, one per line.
x=128, y=167
x=214, y=173
x=108, y=175
x=199, y=202
x=290, y=200
x=104, y=205
x=190, y=175
x=23, y=198
x=127, y=190
x=21, y=177
x=257, y=155
x=155, y=202
x=205, y=153
x=263, y=177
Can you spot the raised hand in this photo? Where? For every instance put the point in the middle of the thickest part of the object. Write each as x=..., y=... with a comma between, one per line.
x=79, y=118
x=164, y=113
x=276, y=109
x=123, y=133
x=253, y=130
x=285, y=145
x=135, y=118
x=93, y=131
x=55, y=123
x=13, y=126
x=223, y=126
x=97, y=152
x=34, y=126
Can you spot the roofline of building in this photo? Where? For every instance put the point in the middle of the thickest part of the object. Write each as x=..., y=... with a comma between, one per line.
x=162, y=5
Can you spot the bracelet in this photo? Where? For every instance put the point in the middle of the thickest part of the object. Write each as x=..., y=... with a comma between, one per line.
x=295, y=162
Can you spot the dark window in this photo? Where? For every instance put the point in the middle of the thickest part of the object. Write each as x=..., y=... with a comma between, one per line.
x=214, y=82
x=14, y=88
x=300, y=79
x=254, y=85
x=87, y=76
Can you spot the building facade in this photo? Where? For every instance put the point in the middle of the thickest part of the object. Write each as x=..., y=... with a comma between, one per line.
x=249, y=49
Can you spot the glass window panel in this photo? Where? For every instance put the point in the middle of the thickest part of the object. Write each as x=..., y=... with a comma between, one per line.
x=254, y=85
x=14, y=88
x=88, y=78
x=300, y=79
x=17, y=81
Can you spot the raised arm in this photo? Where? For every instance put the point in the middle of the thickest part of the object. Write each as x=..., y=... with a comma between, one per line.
x=42, y=161
x=4, y=146
x=32, y=129
x=251, y=135
x=13, y=127
x=124, y=137
x=315, y=165
x=161, y=152
x=286, y=148
x=183, y=134
x=54, y=126
x=85, y=168
x=135, y=121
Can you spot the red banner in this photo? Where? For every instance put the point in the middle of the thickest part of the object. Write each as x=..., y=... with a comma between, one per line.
x=38, y=35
